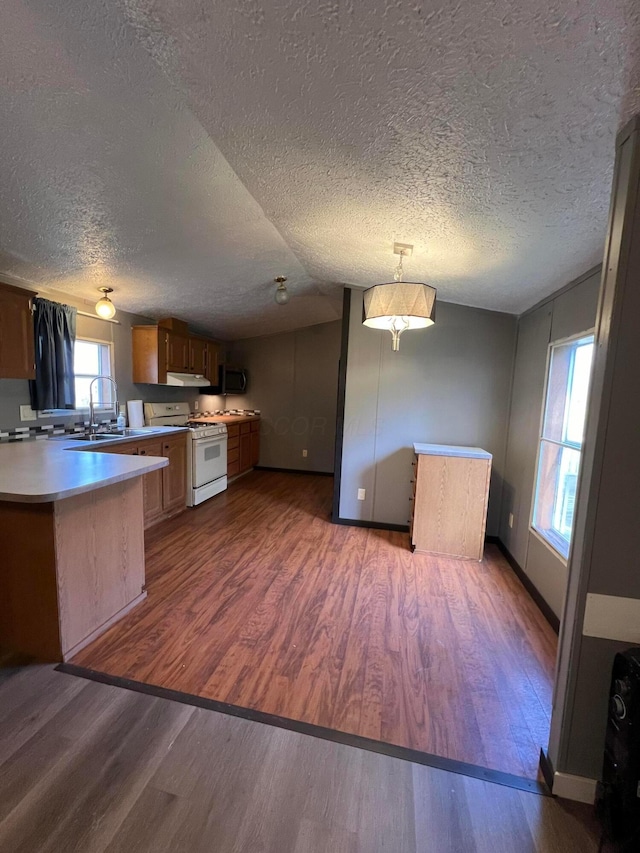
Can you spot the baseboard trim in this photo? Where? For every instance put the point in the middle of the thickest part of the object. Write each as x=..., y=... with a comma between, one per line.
x=359, y=742
x=374, y=525
x=292, y=470
x=533, y=591
x=578, y=788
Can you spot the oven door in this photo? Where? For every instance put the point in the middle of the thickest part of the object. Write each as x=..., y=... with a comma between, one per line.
x=209, y=459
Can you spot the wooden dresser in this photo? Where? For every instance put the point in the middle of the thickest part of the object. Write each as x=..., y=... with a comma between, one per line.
x=450, y=497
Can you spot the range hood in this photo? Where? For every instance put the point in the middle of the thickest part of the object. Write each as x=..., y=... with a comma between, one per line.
x=187, y=380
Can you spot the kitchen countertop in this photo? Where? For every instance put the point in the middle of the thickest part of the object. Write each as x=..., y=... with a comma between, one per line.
x=45, y=470
x=450, y=450
x=225, y=419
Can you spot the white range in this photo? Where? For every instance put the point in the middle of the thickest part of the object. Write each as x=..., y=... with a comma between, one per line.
x=206, y=450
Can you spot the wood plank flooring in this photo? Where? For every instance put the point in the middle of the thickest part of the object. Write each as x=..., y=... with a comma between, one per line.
x=90, y=768
x=257, y=600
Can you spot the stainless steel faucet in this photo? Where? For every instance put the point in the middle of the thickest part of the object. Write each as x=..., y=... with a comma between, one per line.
x=92, y=425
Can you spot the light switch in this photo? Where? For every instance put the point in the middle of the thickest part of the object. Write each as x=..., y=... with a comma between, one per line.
x=362, y=493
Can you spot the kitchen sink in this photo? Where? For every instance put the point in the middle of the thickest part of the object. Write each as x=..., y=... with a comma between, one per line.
x=95, y=437
x=127, y=432
x=131, y=431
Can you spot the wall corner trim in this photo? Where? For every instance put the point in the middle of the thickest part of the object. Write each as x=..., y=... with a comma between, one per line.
x=612, y=617
x=578, y=788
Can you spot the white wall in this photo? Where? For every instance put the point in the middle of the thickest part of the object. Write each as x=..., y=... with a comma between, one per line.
x=448, y=384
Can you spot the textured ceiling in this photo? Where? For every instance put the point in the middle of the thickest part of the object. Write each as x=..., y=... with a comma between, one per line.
x=186, y=153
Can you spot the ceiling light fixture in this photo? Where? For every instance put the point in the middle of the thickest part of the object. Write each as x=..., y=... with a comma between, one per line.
x=104, y=306
x=399, y=305
x=281, y=294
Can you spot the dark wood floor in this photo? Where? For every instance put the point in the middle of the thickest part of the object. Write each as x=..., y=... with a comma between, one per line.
x=90, y=768
x=257, y=600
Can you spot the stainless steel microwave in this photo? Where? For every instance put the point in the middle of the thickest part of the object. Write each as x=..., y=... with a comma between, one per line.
x=232, y=380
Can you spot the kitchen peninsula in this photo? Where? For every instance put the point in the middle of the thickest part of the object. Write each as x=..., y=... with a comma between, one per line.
x=72, y=533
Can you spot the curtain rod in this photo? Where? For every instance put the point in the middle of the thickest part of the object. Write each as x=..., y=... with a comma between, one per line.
x=98, y=317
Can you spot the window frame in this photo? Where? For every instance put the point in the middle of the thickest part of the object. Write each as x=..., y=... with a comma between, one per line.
x=79, y=410
x=554, y=541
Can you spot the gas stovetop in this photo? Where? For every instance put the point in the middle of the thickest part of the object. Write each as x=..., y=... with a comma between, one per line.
x=178, y=415
x=245, y=412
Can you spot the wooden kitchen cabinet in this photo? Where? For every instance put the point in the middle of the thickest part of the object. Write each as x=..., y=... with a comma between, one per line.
x=178, y=353
x=165, y=490
x=150, y=354
x=198, y=356
x=255, y=443
x=450, y=498
x=17, y=359
x=174, y=476
x=152, y=484
x=243, y=446
x=158, y=350
x=245, y=451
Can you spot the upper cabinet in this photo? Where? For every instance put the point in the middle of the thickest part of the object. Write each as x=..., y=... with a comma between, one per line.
x=178, y=353
x=198, y=355
x=169, y=348
x=17, y=360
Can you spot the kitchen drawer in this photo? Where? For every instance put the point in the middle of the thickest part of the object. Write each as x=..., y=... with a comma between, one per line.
x=255, y=426
x=233, y=468
x=233, y=443
x=245, y=428
x=233, y=455
x=233, y=430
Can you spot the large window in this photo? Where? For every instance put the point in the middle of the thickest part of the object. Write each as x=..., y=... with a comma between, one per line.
x=91, y=359
x=561, y=438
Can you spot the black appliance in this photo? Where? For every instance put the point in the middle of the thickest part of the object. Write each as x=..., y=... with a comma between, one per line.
x=618, y=797
x=231, y=380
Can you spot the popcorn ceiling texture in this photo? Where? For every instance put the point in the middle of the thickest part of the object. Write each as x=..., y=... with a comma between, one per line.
x=186, y=153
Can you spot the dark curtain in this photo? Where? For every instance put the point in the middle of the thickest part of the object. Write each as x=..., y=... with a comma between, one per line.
x=54, y=327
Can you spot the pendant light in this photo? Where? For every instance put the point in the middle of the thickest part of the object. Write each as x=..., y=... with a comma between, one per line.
x=104, y=306
x=399, y=305
x=282, y=294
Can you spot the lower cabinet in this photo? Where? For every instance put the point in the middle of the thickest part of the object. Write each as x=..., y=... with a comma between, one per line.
x=174, y=476
x=243, y=447
x=255, y=443
x=165, y=490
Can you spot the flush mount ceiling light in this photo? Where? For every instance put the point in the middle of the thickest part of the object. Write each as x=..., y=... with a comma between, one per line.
x=281, y=294
x=399, y=305
x=105, y=307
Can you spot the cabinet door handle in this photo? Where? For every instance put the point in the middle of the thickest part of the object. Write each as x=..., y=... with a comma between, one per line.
x=143, y=452
x=166, y=447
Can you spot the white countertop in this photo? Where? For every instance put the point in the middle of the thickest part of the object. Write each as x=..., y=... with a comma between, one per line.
x=52, y=469
x=450, y=450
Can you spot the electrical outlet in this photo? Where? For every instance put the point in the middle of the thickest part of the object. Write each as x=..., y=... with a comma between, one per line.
x=27, y=414
x=304, y=454
x=362, y=493
x=196, y=405
x=510, y=519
